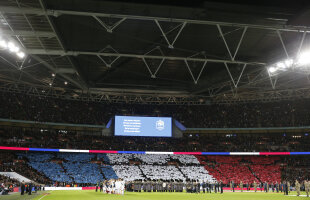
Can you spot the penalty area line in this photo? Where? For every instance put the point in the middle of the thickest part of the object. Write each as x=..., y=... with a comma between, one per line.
x=45, y=195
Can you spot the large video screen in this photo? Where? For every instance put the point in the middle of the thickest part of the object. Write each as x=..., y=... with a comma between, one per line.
x=143, y=126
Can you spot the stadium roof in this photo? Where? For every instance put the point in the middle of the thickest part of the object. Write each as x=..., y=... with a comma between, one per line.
x=166, y=50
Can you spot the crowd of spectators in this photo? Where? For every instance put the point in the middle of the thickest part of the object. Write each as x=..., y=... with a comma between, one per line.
x=9, y=162
x=206, y=143
x=292, y=167
x=245, y=168
x=296, y=168
x=46, y=109
x=7, y=182
x=88, y=169
x=83, y=168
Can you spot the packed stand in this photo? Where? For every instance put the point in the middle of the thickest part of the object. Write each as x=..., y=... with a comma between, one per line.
x=7, y=184
x=88, y=169
x=10, y=162
x=50, y=138
x=245, y=169
x=84, y=168
x=239, y=115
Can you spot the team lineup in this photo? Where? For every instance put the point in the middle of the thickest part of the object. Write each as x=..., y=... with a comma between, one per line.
x=113, y=186
x=119, y=186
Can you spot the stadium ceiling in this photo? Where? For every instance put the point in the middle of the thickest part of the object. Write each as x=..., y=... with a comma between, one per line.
x=154, y=53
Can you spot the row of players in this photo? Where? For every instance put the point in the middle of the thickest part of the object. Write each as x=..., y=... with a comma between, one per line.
x=263, y=186
x=284, y=186
x=112, y=186
x=118, y=186
x=174, y=186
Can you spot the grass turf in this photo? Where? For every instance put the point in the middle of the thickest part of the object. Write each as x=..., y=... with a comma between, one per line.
x=92, y=195
x=17, y=196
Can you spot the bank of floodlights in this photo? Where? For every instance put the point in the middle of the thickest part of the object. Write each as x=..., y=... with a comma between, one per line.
x=11, y=47
x=301, y=62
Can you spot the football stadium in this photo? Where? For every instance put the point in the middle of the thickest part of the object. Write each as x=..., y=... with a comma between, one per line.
x=149, y=100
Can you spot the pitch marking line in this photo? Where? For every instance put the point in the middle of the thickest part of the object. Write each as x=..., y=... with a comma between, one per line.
x=45, y=195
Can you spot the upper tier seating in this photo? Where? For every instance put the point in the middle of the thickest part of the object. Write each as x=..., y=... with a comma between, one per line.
x=238, y=115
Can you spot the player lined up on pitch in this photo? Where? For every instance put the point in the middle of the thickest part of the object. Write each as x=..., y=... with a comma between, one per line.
x=112, y=186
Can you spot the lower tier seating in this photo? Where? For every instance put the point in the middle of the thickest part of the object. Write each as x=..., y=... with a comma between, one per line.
x=128, y=172
x=91, y=168
x=246, y=169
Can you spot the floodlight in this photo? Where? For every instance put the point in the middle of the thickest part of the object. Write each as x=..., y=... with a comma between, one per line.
x=272, y=69
x=3, y=44
x=20, y=54
x=12, y=47
x=304, y=58
x=16, y=49
x=280, y=65
x=289, y=62
x=66, y=82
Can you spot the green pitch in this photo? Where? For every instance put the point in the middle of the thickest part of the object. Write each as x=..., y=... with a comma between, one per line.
x=92, y=195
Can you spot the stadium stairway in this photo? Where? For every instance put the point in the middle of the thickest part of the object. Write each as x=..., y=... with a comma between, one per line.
x=16, y=176
x=215, y=173
x=142, y=172
x=65, y=171
x=254, y=174
x=108, y=172
x=101, y=172
x=181, y=172
x=177, y=164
